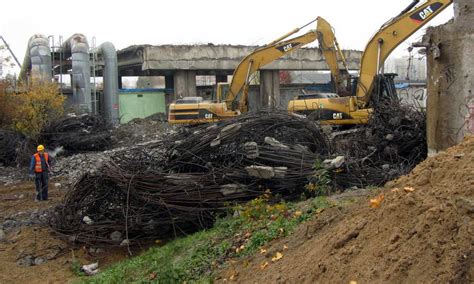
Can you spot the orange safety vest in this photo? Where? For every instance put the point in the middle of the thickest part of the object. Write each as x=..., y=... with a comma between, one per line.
x=38, y=168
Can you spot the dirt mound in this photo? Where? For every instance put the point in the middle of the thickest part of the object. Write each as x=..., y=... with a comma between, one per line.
x=423, y=231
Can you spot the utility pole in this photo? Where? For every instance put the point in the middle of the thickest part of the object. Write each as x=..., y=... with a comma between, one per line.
x=11, y=52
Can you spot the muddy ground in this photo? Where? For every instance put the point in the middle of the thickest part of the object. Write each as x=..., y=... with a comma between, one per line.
x=23, y=222
x=27, y=242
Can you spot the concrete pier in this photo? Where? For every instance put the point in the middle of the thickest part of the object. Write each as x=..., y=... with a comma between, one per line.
x=450, y=103
x=269, y=96
x=184, y=83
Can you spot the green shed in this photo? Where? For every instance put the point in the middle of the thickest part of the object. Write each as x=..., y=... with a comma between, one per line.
x=140, y=103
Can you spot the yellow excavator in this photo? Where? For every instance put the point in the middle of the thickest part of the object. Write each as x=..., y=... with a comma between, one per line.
x=372, y=82
x=232, y=99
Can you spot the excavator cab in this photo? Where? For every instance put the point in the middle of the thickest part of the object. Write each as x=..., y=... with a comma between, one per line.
x=384, y=89
x=342, y=110
x=222, y=89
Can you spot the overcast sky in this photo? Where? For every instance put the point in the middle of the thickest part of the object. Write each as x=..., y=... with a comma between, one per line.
x=247, y=22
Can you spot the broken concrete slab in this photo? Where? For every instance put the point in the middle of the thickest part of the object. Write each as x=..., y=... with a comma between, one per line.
x=116, y=236
x=264, y=172
x=280, y=172
x=251, y=150
x=334, y=163
x=275, y=143
x=229, y=189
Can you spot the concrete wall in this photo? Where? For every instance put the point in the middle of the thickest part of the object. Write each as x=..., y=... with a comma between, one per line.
x=450, y=104
x=415, y=96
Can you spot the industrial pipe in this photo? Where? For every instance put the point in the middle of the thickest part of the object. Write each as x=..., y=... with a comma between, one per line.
x=37, y=61
x=81, y=87
x=110, y=75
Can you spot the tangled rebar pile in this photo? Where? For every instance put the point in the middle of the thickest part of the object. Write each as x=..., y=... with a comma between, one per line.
x=184, y=181
x=10, y=144
x=390, y=145
x=165, y=191
x=77, y=134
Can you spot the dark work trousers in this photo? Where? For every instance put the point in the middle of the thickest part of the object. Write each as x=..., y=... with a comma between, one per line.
x=41, y=182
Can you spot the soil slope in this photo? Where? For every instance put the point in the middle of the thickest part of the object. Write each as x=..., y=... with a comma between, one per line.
x=423, y=232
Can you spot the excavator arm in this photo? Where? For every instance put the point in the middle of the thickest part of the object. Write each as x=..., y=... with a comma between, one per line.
x=391, y=35
x=331, y=50
x=278, y=48
x=259, y=58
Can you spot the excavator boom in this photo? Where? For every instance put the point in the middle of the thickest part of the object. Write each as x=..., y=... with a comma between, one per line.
x=231, y=100
x=391, y=35
x=278, y=48
x=330, y=49
x=256, y=60
x=350, y=110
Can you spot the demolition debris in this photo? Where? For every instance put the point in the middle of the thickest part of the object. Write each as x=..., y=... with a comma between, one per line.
x=390, y=145
x=71, y=135
x=150, y=193
x=77, y=134
x=10, y=142
x=183, y=182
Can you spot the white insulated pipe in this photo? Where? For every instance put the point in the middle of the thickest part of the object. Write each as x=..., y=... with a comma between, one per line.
x=81, y=71
x=37, y=62
x=110, y=73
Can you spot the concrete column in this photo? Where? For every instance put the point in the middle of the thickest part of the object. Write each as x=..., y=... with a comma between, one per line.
x=169, y=82
x=221, y=79
x=450, y=102
x=185, y=83
x=120, y=82
x=169, y=94
x=269, y=90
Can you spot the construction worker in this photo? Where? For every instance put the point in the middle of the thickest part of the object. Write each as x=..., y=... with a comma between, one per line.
x=40, y=166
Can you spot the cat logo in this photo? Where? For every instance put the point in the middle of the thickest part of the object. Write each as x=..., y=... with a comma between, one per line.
x=424, y=14
x=337, y=115
x=288, y=47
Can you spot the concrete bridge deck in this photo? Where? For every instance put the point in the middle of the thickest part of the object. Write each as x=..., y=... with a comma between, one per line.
x=181, y=63
x=139, y=60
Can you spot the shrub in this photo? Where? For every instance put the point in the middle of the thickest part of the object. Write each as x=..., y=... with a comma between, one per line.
x=28, y=111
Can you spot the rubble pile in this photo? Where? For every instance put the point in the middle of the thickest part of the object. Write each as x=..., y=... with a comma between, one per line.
x=77, y=134
x=141, y=130
x=390, y=145
x=138, y=133
x=73, y=167
x=150, y=193
x=11, y=175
